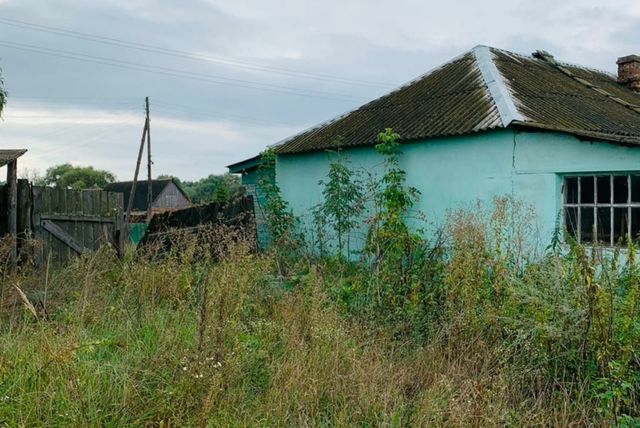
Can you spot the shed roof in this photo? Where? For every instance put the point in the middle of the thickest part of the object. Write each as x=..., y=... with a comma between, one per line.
x=245, y=165
x=140, y=197
x=7, y=156
x=484, y=89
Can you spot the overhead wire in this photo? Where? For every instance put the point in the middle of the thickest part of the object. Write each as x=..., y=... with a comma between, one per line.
x=128, y=107
x=185, y=54
x=212, y=114
x=164, y=107
x=106, y=130
x=167, y=71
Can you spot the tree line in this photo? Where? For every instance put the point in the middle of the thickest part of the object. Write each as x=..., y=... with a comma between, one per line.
x=214, y=188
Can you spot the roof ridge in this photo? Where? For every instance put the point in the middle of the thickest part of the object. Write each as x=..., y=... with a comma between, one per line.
x=153, y=179
x=561, y=62
x=497, y=86
x=549, y=59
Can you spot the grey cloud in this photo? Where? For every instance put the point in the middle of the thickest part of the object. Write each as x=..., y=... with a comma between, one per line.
x=383, y=41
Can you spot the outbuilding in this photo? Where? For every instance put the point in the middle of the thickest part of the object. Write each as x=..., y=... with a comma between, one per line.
x=166, y=194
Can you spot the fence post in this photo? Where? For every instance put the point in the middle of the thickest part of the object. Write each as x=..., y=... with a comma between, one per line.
x=24, y=214
x=12, y=182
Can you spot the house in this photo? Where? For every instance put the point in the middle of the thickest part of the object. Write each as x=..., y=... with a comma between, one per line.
x=166, y=194
x=562, y=138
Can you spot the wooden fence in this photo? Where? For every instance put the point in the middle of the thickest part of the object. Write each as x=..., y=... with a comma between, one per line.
x=66, y=222
x=238, y=213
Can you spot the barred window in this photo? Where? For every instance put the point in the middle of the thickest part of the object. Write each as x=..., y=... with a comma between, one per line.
x=602, y=209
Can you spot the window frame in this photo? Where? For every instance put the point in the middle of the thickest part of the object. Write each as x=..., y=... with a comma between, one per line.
x=629, y=205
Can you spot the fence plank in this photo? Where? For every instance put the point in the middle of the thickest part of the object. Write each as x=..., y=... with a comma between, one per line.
x=64, y=221
x=63, y=236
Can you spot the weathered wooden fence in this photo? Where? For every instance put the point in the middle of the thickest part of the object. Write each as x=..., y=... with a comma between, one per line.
x=66, y=222
x=238, y=213
x=70, y=222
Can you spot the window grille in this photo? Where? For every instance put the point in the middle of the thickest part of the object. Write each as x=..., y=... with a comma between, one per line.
x=602, y=209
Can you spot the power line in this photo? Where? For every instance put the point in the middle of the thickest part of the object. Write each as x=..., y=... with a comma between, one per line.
x=82, y=122
x=211, y=114
x=161, y=105
x=247, y=84
x=105, y=100
x=185, y=54
x=104, y=132
x=176, y=72
x=101, y=133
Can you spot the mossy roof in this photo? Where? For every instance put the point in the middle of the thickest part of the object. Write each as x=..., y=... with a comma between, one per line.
x=485, y=89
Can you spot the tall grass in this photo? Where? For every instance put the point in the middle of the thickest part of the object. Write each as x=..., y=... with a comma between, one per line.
x=212, y=333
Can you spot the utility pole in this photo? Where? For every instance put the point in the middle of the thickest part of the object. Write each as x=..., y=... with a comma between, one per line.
x=135, y=175
x=149, y=186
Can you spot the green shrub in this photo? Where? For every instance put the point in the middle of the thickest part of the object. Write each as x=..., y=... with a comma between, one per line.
x=469, y=328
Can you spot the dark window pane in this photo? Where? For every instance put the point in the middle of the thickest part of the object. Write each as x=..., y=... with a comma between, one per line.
x=620, y=189
x=571, y=221
x=586, y=226
x=604, y=189
x=571, y=189
x=635, y=222
x=604, y=226
x=586, y=190
x=635, y=188
x=620, y=223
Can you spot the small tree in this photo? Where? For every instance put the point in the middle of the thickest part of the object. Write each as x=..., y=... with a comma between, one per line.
x=343, y=200
x=390, y=240
x=394, y=199
x=278, y=215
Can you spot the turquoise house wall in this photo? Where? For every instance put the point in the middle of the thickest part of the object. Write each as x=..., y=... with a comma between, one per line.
x=455, y=172
x=252, y=180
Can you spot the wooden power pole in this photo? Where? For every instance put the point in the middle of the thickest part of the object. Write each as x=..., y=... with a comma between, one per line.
x=145, y=137
x=149, y=186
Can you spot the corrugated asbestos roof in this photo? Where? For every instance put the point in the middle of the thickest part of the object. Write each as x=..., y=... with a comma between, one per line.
x=245, y=165
x=569, y=98
x=7, y=156
x=485, y=89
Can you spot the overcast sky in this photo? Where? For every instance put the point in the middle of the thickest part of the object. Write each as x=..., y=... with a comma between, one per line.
x=226, y=78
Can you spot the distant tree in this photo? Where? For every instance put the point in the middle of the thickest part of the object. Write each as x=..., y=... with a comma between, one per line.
x=77, y=177
x=214, y=188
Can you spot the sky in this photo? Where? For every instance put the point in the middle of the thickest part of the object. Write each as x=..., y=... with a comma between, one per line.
x=227, y=78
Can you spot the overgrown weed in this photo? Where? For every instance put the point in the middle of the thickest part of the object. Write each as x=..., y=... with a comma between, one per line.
x=469, y=328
